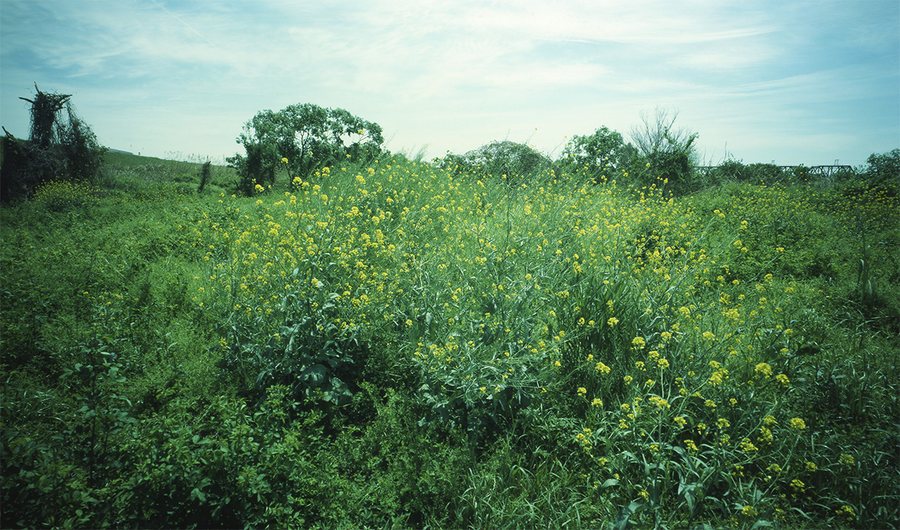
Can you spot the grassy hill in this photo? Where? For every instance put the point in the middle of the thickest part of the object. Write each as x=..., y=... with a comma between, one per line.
x=390, y=344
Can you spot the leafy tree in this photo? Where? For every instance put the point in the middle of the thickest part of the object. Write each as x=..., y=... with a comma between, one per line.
x=303, y=137
x=603, y=153
x=512, y=159
x=884, y=167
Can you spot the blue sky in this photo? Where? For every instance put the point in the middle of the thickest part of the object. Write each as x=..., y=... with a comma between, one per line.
x=784, y=81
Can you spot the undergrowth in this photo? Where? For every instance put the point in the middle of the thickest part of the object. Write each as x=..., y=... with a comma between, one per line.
x=390, y=344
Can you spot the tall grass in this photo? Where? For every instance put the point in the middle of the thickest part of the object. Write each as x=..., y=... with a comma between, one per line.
x=393, y=344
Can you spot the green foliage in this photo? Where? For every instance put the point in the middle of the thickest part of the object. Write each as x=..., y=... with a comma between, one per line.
x=302, y=137
x=387, y=345
x=511, y=161
x=205, y=175
x=884, y=168
x=80, y=149
x=669, y=151
x=61, y=195
x=601, y=154
x=59, y=148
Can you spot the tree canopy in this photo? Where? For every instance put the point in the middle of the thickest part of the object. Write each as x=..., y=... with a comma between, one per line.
x=304, y=137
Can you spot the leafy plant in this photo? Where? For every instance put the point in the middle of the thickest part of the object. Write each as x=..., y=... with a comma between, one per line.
x=512, y=161
x=601, y=154
x=669, y=150
x=302, y=137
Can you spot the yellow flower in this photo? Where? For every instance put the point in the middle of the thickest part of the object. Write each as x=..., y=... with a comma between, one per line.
x=602, y=368
x=612, y=321
x=284, y=160
x=709, y=335
x=797, y=423
x=582, y=391
x=846, y=511
x=638, y=343
x=747, y=446
x=763, y=369
x=680, y=420
x=783, y=379
x=691, y=445
x=659, y=402
x=258, y=188
x=662, y=363
x=596, y=402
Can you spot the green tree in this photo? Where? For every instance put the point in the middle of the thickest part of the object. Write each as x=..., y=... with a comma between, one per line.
x=304, y=137
x=512, y=159
x=603, y=153
x=884, y=167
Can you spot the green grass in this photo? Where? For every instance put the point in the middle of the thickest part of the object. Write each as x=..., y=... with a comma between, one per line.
x=392, y=345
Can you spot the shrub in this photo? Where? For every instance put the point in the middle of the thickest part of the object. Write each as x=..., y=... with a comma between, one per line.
x=60, y=195
x=302, y=137
x=601, y=154
x=884, y=167
x=205, y=173
x=670, y=152
x=60, y=147
x=512, y=161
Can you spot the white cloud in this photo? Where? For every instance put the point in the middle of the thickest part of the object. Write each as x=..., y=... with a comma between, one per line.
x=451, y=75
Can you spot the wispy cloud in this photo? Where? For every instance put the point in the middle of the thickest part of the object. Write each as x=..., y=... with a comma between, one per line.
x=457, y=75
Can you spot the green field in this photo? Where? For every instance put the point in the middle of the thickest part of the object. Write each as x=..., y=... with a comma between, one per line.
x=395, y=345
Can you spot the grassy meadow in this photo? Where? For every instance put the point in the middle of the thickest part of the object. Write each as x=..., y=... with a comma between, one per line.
x=392, y=344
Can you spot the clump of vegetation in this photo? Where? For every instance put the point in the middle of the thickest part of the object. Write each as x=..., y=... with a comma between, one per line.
x=884, y=168
x=603, y=155
x=390, y=343
x=205, y=174
x=301, y=137
x=60, y=146
x=510, y=161
x=669, y=151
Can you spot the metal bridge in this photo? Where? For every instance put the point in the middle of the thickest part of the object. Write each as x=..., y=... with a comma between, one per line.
x=826, y=171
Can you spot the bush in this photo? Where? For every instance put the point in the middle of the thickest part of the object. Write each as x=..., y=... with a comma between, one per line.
x=601, y=154
x=302, y=137
x=59, y=148
x=670, y=152
x=884, y=167
x=61, y=196
x=512, y=161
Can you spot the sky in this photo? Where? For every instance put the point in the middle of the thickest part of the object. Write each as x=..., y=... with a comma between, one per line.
x=784, y=81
